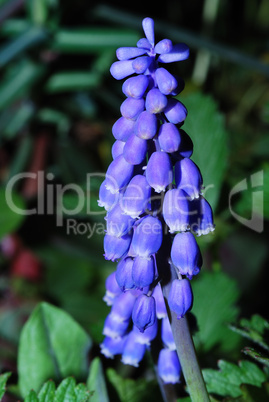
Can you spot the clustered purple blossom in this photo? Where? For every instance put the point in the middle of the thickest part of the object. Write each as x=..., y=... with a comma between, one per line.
x=151, y=187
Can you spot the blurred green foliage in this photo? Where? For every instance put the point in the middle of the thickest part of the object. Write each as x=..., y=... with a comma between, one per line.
x=57, y=106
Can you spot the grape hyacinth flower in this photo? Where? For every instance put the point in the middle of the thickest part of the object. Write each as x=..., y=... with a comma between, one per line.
x=152, y=190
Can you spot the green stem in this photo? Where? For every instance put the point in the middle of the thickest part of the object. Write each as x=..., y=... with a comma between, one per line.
x=182, y=336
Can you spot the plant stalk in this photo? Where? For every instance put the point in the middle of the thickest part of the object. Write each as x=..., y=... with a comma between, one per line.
x=181, y=332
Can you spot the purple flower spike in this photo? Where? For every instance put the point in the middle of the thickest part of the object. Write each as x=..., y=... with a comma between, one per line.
x=135, y=87
x=131, y=108
x=118, y=174
x=144, y=312
x=122, y=69
x=147, y=238
x=175, y=111
x=141, y=64
x=164, y=46
x=156, y=102
x=168, y=366
x=118, y=223
x=178, y=52
x=124, y=274
x=117, y=148
x=202, y=217
x=148, y=27
x=146, y=125
x=123, y=128
x=169, y=137
x=161, y=311
x=125, y=53
x=176, y=210
x=115, y=328
x=143, y=271
x=186, y=255
x=123, y=307
x=166, y=82
x=107, y=200
x=112, y=289
x=112, y=346
x=167, y=335
x=133, y=352
x=136, y=197
x=159, y=172
x=135, y=150
x=180, y=297
x=188, y=177
x=116, y=247
x=148, y=335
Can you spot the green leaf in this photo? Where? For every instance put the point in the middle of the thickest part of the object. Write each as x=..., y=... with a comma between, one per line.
x=20, y=118
x=72, y=81
x=214, y=306
x=38, y=10
x=96, y=382
x=46, y=394
x=12, y=210
x=92, y=40
x=129, y=390
x=256, y=355
x=31, y=397
x=30, y=38
x=3, y=380
x=255, y=329
x=52, y=345
x=205, y=126
x=227, y=380
x=18, y=81
x=250, y=393
x=66, y=391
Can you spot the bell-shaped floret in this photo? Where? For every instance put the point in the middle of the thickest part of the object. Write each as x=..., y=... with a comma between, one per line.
x=135, y=150
x=161, y=311
x=115, y=328
x=164, y=46
x=123, y=128
x=178, y=52
x=135, y=87
x=148, y=27
x=175, y=111
x=112, y=289
x=133, y=352
x=176, y=210
x=143, y=271
x=146, y=125
x=186, y=255
x=125, y=53
x=118, y=174
x=141, y=64
x=122, y=69
x=169, y=368
x=180, y=297
x=156, y=102
x=107, y=199
x=131, y=108
x=166, y=82
x=112, y=346
x=136, y=197
x=201, y=217
x=123, y=306
x=147, y=238
x=169, y=137
x=148, y=335
x=116, y=247
x=124, y=274
x=117, y=148
x=117, y=222
x=144, y=312
x=167, y=335
x=159, y=172
x=144, y=43
x=188, y=177
x=186, y=145
x=180, y=86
